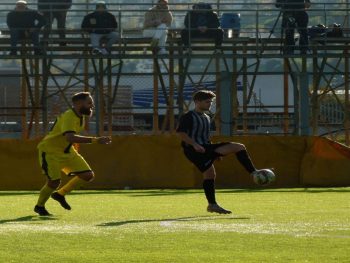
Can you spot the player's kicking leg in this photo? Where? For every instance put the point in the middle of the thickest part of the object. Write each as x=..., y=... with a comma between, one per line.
x=209, y=190
x=79, y=179
x=44, y=195
x=241, y=154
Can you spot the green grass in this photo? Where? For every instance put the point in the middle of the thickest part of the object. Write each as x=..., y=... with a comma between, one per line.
x=280, y=225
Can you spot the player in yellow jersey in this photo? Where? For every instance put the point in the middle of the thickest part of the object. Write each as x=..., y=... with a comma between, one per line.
x=56, y=153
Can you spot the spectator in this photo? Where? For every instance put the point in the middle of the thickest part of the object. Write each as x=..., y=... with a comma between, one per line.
x=202, y=22
x=157, y=21
x=101, y=24
x=295, y=16
x=54, y=9
x=25, y=23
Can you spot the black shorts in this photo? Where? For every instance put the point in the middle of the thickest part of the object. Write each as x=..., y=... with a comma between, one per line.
x=203, y=161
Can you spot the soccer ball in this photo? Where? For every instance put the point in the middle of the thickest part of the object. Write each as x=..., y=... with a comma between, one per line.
x=263, y=176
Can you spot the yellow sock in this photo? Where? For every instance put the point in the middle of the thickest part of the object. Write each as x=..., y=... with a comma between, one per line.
x=44, y=195
x=74, y=183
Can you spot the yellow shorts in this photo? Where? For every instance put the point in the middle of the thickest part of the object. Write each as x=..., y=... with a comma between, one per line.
x=53, y=165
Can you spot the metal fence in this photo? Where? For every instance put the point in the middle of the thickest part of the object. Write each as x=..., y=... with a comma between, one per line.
x=270, y=108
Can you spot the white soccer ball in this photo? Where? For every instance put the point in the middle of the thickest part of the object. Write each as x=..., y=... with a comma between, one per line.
x=264, y=176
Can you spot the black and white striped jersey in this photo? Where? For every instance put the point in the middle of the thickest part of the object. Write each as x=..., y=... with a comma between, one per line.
x=196, y=125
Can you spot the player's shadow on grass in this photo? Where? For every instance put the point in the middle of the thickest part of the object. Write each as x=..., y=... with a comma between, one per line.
x=28, y=219
x=288, y=190
x=9, y=193
x=140, y=193
x=179, y=219
x=176, y=192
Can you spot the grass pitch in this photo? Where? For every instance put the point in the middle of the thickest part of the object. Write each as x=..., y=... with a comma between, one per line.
x=280, y=225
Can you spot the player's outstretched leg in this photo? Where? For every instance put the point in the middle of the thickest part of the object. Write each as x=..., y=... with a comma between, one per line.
x=44, y=195
x=74, y=183
x=241, y=154
x=209, y=190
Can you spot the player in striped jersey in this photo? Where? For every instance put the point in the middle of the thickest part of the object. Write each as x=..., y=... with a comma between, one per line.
x=194, y=130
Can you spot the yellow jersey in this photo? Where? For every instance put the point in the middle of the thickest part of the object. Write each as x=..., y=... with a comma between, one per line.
x=55, y=141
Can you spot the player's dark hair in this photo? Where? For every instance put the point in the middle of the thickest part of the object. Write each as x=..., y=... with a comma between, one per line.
x=80, y=96
x=203, y=95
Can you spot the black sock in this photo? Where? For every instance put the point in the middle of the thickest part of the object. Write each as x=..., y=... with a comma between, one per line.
x=209, y=190
x=244, y=159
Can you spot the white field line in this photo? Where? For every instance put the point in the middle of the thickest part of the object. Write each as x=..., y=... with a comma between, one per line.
x=296, y=229
x=292, y=228
x=49, y=228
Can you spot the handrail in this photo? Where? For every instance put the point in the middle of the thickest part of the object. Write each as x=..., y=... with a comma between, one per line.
x=264, y=14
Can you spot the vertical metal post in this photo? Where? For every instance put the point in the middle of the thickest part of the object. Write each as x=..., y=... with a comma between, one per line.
x=182, y=78
x=234, y=89
x=304, y=100
x=218, y=95
x=99, y=100
x=286, y=97
x=44, y=102
x=86, y=76
x=171, y=89
x=155, y=98
x=109, y=97
x=296, y=94
x=226, y=103
x=245, y=89
x=347, y=17
x=314, y=98
x=257, y=38
x=36, y=97
x=24, y=104
x=120, y=26
x=86, y=80
x=347, y=99
x=97, y=104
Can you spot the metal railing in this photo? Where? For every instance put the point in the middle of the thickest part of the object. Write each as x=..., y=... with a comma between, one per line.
x=256, y=18
x=257, y=25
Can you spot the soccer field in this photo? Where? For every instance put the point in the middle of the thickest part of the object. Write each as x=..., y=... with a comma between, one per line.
x=279, y=225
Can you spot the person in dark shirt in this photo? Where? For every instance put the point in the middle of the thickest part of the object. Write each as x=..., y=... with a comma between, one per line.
x=55, y=9
x=194, y=130
x=24, y=23
x=101, y=24
x=295, y=17
x=202, y=22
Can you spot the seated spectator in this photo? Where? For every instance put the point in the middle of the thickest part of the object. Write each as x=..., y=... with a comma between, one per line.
x=157, y=21
x=101, y=24
x=54, y=9
x=24, y=23
x=202, y=22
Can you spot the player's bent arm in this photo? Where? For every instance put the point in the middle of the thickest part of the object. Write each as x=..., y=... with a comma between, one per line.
x=74, y=138
x=187, y=139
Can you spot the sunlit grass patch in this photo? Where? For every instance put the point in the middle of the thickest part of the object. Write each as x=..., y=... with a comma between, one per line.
x=279, y=225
